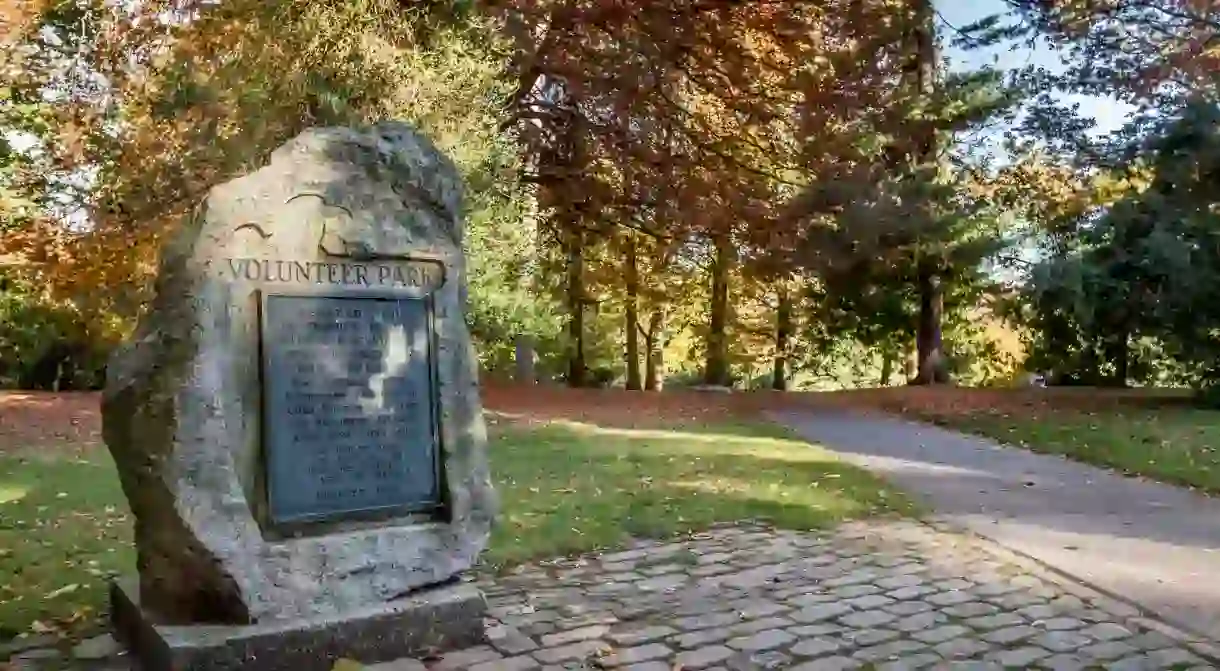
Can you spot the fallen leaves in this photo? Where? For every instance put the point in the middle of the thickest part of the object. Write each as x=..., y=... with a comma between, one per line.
x=66, y=589
x=62, y=541
x=46, y=424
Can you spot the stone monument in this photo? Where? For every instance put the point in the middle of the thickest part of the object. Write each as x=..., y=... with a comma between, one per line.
x=297, y=423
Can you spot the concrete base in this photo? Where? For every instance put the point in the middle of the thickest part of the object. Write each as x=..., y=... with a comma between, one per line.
x=435, y=619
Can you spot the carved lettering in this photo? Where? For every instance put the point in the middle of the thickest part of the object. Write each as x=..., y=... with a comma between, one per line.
x=401, y=275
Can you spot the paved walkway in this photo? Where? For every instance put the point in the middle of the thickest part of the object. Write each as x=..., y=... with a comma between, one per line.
x=1154, y=544
x=891, y=594
x=894, y=595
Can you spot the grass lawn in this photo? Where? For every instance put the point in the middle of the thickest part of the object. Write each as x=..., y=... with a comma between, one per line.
x=64, y=529
x=569, y=487
x=1173, y=444
x=564, y=488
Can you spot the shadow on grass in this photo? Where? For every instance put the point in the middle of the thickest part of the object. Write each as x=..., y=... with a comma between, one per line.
x=569, y=487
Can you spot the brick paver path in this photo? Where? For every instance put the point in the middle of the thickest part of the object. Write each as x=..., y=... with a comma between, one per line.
x=883, y=595
x=894, y=595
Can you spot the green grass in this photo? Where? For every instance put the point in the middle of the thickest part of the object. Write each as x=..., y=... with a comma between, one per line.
x=1174, y=445
x=566, y=488
x=64, y=530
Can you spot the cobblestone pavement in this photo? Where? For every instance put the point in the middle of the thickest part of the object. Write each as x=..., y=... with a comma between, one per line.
x=876, y=595
x=894, y=595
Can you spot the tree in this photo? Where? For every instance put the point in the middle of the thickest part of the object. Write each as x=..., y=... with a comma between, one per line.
x=1142, y=268
x=1151, y=53
x=165, y=110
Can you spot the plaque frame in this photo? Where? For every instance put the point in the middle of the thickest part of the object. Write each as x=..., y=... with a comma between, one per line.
x=325, y=523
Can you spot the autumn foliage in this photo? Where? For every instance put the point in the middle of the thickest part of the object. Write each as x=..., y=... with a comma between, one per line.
x=668, y=189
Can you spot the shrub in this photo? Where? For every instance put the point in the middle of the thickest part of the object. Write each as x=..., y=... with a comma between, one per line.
x=45, y=345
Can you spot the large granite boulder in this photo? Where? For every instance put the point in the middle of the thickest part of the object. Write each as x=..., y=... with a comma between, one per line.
x=232, y=523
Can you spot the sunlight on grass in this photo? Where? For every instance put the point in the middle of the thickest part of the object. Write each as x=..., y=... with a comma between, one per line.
x=10, y=493
x=1174, y=445
x=564, y=488
x=737, y=434
x=569, y=487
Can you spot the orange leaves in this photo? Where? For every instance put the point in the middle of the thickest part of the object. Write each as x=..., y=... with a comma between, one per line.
x=699, y=97
x=16, y=17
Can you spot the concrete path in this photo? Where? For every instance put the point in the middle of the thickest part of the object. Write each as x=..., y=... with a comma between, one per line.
x=1153, y=544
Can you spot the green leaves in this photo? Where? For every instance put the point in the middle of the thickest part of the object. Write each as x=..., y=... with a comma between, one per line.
x=1132, y=292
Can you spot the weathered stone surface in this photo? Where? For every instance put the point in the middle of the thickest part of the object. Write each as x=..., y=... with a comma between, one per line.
x=574, y=635
x=701, y=657
x=572, y=651
x=942, y=633
x=918, y=660
x=1009, y=635
x=636, y=655
x=820, y=613
x=509, y=640
x=443, y=618
x=960, y=648
x=340, y=211
x=763, y=640
x=466, y=657
x=637, y=635
x=817, y=646
x=1062, y=641
x=870, y=636
x=1020, y=657
x=98, y=647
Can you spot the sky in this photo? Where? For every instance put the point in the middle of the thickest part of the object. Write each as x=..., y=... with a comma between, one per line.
x=1110, y=114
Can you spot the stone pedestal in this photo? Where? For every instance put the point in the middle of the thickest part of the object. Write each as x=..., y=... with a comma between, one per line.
x=438, y=618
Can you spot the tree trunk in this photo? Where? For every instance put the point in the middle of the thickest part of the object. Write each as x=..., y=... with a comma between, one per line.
x=931, y=314
x=887, y=365
x=922, y=74
x=655, y=351
x=717, y=370
x=576, y=309
x=1120, y=354
x=524, y=346
x=633, y=317
x=783, y=330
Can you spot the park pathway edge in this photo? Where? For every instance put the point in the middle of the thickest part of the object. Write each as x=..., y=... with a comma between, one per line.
x=1150, y=545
